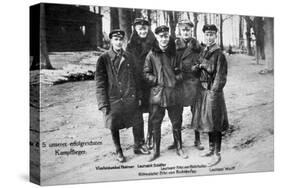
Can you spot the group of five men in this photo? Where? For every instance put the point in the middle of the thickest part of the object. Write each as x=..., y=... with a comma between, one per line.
x=157, y=73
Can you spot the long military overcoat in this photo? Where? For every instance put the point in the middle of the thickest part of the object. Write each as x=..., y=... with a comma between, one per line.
x=118, y=90
x=210, y=113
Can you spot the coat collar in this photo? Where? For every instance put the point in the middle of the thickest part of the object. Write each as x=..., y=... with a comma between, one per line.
x=181, y=43
x=212, y=48
x=112, y=55
x=209, y=50
x=191, y=43
x=170, y=51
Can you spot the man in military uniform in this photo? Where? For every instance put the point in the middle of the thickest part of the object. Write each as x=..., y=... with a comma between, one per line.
x=118, y=94
x=210, y=113
x=139, y=45
x=162, y=72
x=188, y=50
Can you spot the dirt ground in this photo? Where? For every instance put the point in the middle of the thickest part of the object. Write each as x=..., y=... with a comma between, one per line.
x=69, y=113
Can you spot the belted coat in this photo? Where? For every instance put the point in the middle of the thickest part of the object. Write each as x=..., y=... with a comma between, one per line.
x=210, y=113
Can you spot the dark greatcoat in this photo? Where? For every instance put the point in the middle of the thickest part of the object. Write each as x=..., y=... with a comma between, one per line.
x=210, y=112
x=168, y=86
x=188, y=55
x=139, y=48
x=117, y=89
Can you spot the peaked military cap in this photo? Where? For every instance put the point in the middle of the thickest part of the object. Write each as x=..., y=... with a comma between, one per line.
x=141, y=21
x=208, y=27
x=117, y=33
x=160, y=29
x=185, y=23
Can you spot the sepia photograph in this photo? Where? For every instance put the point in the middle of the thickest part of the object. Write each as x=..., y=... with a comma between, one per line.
x=129, y=94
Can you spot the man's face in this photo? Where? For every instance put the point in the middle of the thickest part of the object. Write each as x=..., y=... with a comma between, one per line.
x=186, y=32
x=117, y=42
x=142, y=30
x=210, y=37
x=163, y=39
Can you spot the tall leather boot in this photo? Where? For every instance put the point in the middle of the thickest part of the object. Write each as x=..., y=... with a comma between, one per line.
x=139, y=146
x=116, y=140
x=149, y=136
x=216, y=158
x=173, y=145
x=178, y=141
x=197, y=142
x=156, y=145
x=211, y=145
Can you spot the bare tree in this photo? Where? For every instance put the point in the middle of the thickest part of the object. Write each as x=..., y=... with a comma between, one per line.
x=125, y=20
x=114, y=18
x=44, y=56
x=172, y=22
x=221, y=29
x=137, y=14
x=195, y=20
x=269, y=43
x=149, y=15
x=205, y=19
x=220, y=32
x=241, y=41
x=259, y=34
x=188, y=15
x=249, y=24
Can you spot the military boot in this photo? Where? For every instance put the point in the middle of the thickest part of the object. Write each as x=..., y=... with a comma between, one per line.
x=116, y=140
x=139, y=146
x=211, y=146
x=173, y=145
x=216, y=158
x=149, y=138
x=178, y=139
x=197, y=142
x=156, y=145
x=120, y=157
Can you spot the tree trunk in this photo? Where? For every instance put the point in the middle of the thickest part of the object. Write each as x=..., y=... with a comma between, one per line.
x=149, y=15
x=114, y=18
x=259, y=33
x=248, y=35
x=137, y=14
x=209, y=18
x=221, y=33
x=44, y=56
x=241, y=41
x=205, y=19
x=125, y=21
x=269, y=43
x=172, y=23
x=188, y=15
x=195, y=20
